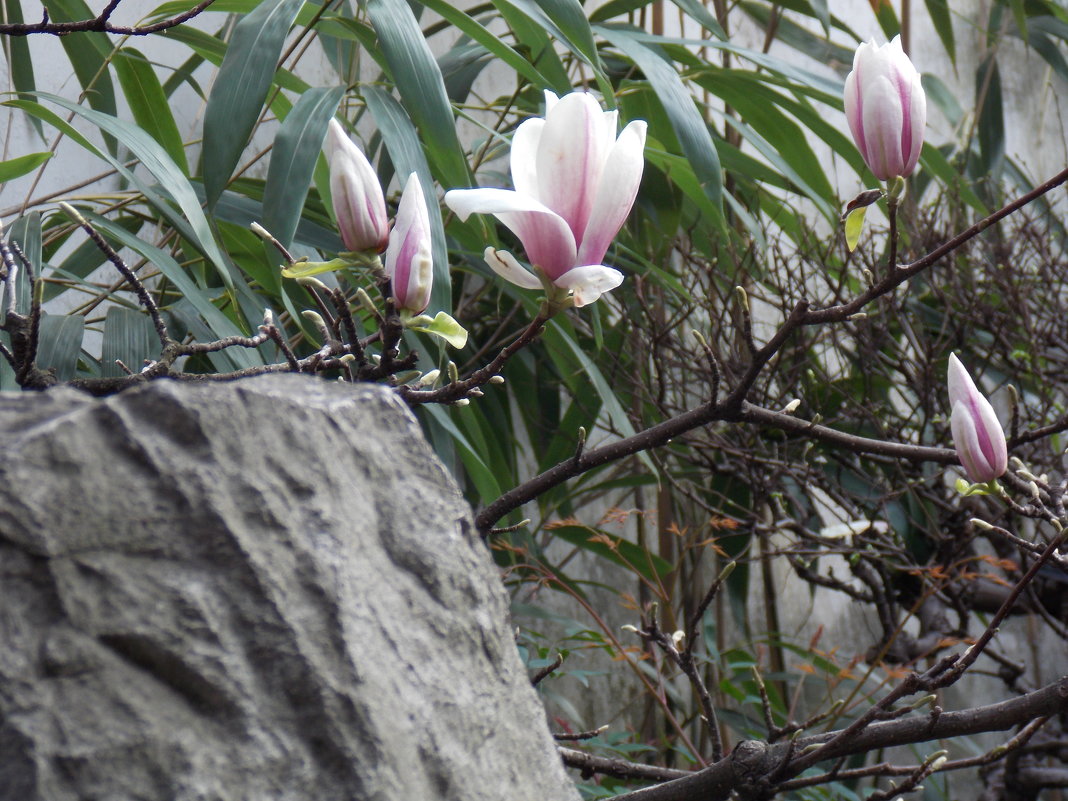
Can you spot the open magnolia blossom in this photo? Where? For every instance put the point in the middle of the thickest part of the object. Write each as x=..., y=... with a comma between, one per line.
x=409, y=263
x=977, y=434
x=575, y=182
x=886, y=109
x=359, y=205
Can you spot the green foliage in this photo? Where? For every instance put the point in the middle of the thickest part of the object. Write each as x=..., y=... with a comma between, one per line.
x=748, y=168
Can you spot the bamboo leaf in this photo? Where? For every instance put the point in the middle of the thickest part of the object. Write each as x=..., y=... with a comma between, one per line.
x=240, y=89
x=422, y=89
x=493, y=43
x=128, y=337
x=13, y=168
x=686, y=120
x=60, y=343
x=943, y=25
x=148, y=103
x=615, y=549
x=89, y=54
x=188, y=219
x=991, y=122
x=218, y=323
x=296, y=148
x=19, y=60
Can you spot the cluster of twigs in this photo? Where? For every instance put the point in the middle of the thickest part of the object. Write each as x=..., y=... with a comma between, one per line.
x=924, y=598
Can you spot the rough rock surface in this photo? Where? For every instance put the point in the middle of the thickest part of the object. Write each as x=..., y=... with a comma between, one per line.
x=262, y=590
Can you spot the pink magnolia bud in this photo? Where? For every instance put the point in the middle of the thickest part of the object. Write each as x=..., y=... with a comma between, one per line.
x=886, y=109
x=409, y=263
x=359, y=205
x=977, y=434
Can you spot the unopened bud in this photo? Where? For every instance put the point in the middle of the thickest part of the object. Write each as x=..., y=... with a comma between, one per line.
x=312, y=282
x=462, y=402
x=313, y=317
x=261, y=232
x=791, y=407
x=496, y=379
x=742, y=298
x=982, y=525
x=365, y=300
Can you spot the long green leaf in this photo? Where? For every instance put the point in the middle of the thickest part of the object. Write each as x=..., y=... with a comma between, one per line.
x=19, y=60
x=219, y=324
x=943, y=25
x=60, y=343
x=240, y=89
x=678, y=103
x=89, y=54
x=615, y=549
x=566, y=347
x=296, y=148
x=13, y=168
x=189, y=219
x=149, y=105
x=422, y=89
x=493, y=43
x=128, y=337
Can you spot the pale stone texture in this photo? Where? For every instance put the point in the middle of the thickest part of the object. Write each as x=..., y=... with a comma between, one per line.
x=266, y=589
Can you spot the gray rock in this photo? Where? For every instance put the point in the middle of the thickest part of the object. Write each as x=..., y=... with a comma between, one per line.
x=267, y=589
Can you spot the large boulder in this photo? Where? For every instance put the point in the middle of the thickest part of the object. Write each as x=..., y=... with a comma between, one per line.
x=267, y=590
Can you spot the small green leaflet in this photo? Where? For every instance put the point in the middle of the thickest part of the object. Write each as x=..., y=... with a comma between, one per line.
x=14, y=168
x=442, y=325
x=854, y=223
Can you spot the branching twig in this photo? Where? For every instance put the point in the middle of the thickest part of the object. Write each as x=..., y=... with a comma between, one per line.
x=100, y=23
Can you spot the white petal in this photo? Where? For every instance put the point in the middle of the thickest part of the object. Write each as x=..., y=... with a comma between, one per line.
x=882, y=121
x=571, y=155
x=590, y=282
x=524, y=156
x=615, y=194
x=408, y=260
x=359, y=205
x=547, y=239
x=504, y=264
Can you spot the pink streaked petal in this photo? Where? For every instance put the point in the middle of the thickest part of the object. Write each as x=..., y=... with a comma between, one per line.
x=854, y=107
x=546, y=238
x=882, y=122
x=966, y=441
x=615, y=195
x=359, y=205
x=991, y=437
x=588, y=283
x=408, y=261
x=918, y=123
x=570, y=158
x=504, y=264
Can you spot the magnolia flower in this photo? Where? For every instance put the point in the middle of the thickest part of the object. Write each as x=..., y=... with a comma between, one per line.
x=409, y=263
x=359, y=205
x=575, y=182
x=977, y=434
x=886, y=109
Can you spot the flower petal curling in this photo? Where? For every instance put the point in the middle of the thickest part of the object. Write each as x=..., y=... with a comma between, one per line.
x=588, y=283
